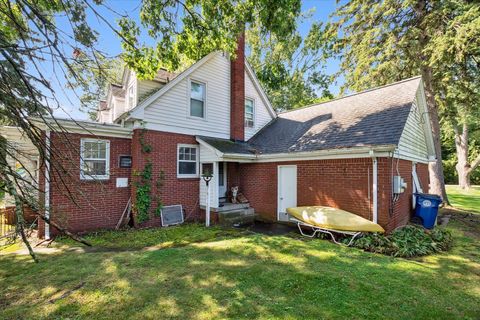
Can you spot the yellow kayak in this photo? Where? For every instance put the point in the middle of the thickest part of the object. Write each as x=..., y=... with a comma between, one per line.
x=332, y=218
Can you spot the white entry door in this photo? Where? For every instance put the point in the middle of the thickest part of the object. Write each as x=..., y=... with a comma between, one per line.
x=287, y=190
x=222, y=179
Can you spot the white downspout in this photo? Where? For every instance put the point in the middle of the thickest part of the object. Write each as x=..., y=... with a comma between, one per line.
x=375, y=187
x=375, y=190
x=47, y=183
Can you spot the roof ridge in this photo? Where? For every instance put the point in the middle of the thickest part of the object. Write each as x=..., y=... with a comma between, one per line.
x=353, y=94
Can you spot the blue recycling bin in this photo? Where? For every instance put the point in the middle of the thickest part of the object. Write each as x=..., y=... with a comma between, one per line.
x=426, y=208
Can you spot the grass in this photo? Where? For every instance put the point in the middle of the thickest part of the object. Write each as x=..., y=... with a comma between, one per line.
x=468, y=200
x=241, y=276
x=156, y=237
x=199, y=273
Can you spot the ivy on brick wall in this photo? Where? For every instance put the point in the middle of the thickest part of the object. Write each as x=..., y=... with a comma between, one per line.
x=143, y=185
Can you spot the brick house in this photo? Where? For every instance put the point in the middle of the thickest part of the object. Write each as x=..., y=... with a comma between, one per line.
x=346, y=153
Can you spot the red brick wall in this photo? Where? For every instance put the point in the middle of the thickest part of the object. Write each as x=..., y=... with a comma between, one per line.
x=164, y=157
x=82, y=205
x=237, y=93
x=402, y=208
x=337, y=183
x=342, y=183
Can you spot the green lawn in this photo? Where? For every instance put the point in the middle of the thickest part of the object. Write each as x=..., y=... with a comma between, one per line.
x=242, y=276
x=465, y=199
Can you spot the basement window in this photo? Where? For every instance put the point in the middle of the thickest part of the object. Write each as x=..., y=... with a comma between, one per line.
x=187, y=161
x=249, y=113
x=94, y=159
x=197, y=99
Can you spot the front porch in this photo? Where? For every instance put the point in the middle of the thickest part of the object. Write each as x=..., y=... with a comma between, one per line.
x=221, y=196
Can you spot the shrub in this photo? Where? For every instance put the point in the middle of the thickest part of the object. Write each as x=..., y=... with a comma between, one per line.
x=409, y=241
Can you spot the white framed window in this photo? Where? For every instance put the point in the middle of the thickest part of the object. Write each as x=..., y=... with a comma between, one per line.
x=187, y=161
x=94, y=159
x=197, y=99
x=131, y=96
x=249, y=113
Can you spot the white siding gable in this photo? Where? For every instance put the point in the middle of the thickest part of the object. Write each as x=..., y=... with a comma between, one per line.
x=171, y=111
x=413, y=141
x=262, y=115
x=118, y=106
x=145, y=88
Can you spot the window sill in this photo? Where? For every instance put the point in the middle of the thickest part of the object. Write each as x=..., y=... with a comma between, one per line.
x=90, y=178
x=188, y=176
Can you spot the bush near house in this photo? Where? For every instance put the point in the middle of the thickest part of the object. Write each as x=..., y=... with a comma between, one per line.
x=409, y=241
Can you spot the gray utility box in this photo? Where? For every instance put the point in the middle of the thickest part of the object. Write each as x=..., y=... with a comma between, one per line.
x=399, y=185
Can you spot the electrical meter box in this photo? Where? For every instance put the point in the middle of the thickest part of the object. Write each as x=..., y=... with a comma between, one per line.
x=399, y=185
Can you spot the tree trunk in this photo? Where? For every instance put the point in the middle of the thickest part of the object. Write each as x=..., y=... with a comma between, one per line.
x=437, y=179
x=463, y=166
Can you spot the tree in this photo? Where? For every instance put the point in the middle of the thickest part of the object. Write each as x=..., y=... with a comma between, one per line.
x=31, y=42
x=458, y=45
x=92, y=78
x=290, y=68
x=383, y=41
x=193, y=28
x=286, y=64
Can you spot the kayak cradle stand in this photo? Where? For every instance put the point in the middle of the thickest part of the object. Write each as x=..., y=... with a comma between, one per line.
x=316, y=230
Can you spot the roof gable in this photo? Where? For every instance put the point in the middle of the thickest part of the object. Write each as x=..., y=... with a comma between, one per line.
x=369, y=118
x=137, y=112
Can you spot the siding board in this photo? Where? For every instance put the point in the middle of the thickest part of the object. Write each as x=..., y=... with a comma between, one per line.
x=413, y=140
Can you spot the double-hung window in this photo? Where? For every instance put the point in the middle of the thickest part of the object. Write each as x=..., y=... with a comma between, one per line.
x=187, y=161
x=131, y=96
x=197, y=99
x=249, y=113
x=94, y=159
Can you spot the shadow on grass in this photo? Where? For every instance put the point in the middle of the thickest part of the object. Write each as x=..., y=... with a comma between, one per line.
x=247, y=277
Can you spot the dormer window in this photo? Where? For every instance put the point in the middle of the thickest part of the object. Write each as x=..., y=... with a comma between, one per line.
x=131, y=96
x=249, y=113
x=197, y=99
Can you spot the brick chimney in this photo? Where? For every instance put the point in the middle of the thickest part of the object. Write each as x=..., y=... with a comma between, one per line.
x=237, y=92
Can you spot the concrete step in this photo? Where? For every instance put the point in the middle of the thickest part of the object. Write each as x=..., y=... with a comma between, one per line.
x=236, y=217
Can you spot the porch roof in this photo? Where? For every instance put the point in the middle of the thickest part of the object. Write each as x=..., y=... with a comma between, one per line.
x=229, y=146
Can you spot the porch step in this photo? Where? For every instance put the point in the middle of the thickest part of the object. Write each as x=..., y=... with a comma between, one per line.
x=234, y=217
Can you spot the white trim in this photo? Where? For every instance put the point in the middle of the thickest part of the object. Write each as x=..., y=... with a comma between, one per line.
x=411, y=157
x=349, y=153
x=416, y=185
x=259, y=88
x=209, y=147
x=137, y=112
x=224, y=177
x=197, y=161
x=375, y=190
x=425, y=115
x=47, y=183
x=254, y=113
x=189, y=98
x=105, y=176
x=84, y=127
x=278, y=186
x=132, y=88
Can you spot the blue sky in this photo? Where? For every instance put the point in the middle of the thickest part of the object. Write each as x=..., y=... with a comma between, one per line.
x=110, y=43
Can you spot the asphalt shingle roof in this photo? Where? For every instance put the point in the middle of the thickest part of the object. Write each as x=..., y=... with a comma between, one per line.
x=369, y=118
x=229, y=146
